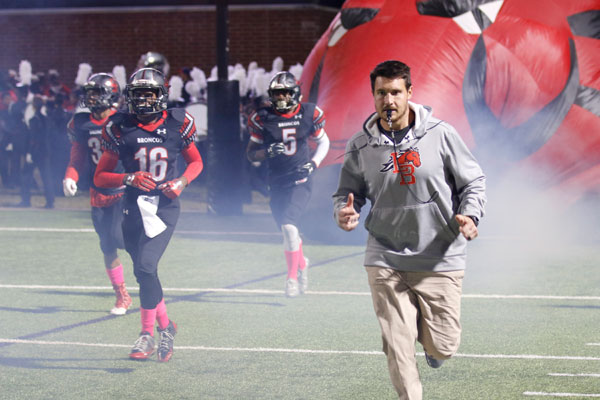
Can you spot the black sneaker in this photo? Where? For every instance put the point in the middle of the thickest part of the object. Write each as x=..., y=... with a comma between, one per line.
x=165, y=346
x=143, y=347
x=432, y=362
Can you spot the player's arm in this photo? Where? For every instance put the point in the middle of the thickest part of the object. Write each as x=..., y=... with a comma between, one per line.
x=321, y=139
x=256, y=149
x=104, y=176
x=76, y=162
x=192, y=157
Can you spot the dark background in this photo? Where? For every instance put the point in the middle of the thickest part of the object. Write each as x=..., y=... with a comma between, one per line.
x=60, y=34
x=131, y=3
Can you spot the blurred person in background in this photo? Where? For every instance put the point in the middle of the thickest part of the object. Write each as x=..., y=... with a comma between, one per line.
x=20, y=139
x=57, y=120
x=9, y=180
x=148, y=140
x=279, y=134
x=101, y=95
x=38, y=147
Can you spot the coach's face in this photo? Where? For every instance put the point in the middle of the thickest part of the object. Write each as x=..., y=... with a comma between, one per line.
x=392, y=94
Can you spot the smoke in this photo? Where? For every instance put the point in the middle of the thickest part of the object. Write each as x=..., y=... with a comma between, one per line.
x=531, y=216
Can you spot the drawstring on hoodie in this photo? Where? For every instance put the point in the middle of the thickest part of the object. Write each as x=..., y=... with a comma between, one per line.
x=435, y=194
x=389, y=121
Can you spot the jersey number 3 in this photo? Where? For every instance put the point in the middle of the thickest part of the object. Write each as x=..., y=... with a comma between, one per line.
x=153, y=161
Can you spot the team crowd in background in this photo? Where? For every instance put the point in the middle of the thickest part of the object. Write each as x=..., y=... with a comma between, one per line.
x=36, y=107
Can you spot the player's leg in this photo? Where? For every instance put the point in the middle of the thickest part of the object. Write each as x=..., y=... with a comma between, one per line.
x=287, y=205
x=396, y=309
x=153, y=307
x=439, y=295
x=303, y=264
x=106, y=221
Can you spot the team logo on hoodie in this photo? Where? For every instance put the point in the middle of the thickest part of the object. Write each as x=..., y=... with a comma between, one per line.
x=404, y=164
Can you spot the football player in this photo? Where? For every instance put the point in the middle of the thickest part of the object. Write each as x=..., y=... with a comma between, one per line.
x=148, y=139
x=155, y=60
x=101, y=94
x=279, y=134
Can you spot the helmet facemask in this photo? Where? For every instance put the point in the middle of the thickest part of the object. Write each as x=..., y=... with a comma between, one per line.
x=146, y=92
x=284, y=92
x=101, y=92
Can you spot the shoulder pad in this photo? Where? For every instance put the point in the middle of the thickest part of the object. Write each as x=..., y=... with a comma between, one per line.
x=80, y=118
x=263, y=111
x=118, y=117
x=178, y=114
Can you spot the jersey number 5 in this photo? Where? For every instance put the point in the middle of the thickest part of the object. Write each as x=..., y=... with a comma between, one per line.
x=289, y=140
x=153, y=161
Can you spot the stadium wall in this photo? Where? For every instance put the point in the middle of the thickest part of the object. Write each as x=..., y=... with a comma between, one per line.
x=61, y=39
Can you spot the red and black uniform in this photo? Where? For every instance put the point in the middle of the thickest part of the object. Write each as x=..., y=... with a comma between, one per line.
x=290, y=189
x=153, y=148
x=85, y=134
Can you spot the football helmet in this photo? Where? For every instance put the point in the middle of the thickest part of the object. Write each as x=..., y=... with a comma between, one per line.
x=101, y=91
x=284, y=82
x=140, y=83
x=154, y=60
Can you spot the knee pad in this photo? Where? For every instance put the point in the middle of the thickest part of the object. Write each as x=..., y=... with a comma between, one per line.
x=291, y=237
x=150, y=289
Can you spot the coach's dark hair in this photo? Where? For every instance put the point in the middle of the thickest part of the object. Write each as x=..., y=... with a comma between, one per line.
x=391, y=69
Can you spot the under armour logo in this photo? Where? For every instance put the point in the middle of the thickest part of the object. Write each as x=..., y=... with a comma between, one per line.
x=162, y=131
x=125, y=211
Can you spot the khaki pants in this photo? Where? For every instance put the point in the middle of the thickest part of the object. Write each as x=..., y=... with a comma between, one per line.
x=411, y=306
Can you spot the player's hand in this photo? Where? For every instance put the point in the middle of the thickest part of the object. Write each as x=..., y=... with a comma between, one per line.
x=466, y=226
x=141, y=180
x=275, y=149
x=173, y=189
x=28, y=158
x=347, y=216
x=307, y=169
x=69, y=187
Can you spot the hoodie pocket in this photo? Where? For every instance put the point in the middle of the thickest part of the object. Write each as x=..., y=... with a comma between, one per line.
x=419, y=229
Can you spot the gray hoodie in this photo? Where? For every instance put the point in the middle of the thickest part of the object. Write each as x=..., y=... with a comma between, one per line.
x=414, y=198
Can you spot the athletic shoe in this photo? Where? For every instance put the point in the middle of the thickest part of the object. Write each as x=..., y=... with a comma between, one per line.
x=165, y=346
x=303, y=277
x=143, y=347
x=432, y=362
x=123, y=300
x=291, y=288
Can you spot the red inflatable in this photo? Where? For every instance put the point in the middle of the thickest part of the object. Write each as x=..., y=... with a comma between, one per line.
x=520, y=80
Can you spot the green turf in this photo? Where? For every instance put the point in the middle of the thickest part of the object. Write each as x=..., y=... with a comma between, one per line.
x=232, y=345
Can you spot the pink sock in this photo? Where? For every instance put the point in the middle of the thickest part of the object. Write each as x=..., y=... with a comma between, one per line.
x=292, y=258
x=161, y=315
x=148, y=319
x=301, y=260
x=116, y=275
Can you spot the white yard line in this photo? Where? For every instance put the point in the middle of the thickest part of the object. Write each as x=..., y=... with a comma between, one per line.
x=574, y=375
x=89, y=230
x=320, y=293
x=546, y=394
x=284, y=350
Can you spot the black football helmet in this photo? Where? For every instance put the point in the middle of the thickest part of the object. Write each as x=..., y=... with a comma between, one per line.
x=284, y=81
x=144, y=80
x=100, y=92
x=154, y=60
